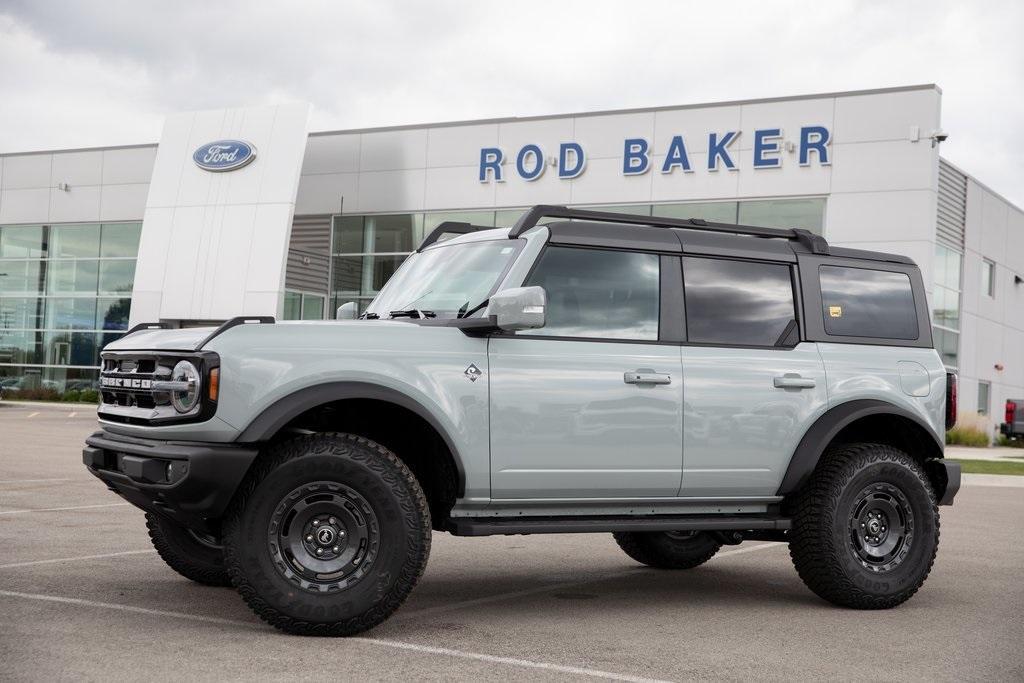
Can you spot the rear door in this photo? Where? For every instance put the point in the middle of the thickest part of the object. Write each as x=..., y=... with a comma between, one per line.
x=751, y=387
x=590, y=406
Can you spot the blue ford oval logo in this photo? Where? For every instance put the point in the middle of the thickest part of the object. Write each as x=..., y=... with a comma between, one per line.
x=224, y=155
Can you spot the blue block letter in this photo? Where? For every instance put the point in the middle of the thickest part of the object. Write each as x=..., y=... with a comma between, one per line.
x=816, y=139
x=676, y=156
x=634, y=156
x=538, y=162
x=718, y=149
x=490, y=160
x=564, y=170
x=766, y=141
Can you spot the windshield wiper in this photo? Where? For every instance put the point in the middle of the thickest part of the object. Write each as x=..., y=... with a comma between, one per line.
x=369, y=316
x=465, y=314
x=413, y=313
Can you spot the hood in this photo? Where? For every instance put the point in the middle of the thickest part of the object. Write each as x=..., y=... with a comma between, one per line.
x=161, y=340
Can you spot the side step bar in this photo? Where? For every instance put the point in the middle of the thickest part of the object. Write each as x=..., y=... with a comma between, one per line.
x=462, y=526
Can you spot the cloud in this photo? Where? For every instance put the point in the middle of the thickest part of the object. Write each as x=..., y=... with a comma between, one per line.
x=97, y=73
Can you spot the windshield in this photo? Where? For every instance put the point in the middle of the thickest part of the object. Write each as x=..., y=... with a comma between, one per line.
x=446, y=279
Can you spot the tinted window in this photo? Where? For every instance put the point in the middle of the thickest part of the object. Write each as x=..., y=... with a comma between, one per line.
x=594, y=293
x=737, y=302
x=858, y=302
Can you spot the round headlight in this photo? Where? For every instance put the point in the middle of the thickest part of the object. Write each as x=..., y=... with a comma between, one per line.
x=186, y=400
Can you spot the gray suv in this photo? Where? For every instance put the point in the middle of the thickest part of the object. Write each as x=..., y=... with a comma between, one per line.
x=679, y=384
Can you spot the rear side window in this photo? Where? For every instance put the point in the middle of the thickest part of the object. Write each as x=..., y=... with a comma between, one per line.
x=859, y=302
x=737, y=302
x=596, y=293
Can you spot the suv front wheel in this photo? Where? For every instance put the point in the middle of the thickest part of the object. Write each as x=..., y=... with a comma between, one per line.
x=866, y=527
x=329, y=535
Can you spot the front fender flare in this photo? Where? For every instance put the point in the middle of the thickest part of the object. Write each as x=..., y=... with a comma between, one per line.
x=817, y=438
x=286, y=409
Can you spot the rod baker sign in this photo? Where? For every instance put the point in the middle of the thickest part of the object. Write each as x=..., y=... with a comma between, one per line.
x=639, y=156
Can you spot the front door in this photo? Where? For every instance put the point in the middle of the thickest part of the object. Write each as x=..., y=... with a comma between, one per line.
x=590, y=406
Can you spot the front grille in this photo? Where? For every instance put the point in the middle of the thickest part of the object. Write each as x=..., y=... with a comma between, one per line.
x=126, y=387
x=126, y=382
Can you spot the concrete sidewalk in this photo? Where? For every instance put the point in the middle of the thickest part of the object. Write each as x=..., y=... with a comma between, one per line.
x=995, y=453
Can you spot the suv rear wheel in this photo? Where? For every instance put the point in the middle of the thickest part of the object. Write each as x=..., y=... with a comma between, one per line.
x=668, y=549
x=866, y=527
x=195, y=556
x=328, y=536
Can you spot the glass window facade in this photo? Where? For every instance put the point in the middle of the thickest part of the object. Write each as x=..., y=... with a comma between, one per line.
x=984, y=397
x=988, y=278
x=366, y=250
x=946, y=304
x=65, y=292
x=303, y=306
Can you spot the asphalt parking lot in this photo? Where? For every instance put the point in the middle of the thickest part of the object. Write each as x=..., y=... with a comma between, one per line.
x=83, y=597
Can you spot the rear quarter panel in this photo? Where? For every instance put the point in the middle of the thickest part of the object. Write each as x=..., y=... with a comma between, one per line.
x=911, y=378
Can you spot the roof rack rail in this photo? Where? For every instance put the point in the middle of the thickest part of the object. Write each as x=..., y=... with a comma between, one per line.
x=148, y=326
x=234, y=322
x=816, y=243
x=448, y=228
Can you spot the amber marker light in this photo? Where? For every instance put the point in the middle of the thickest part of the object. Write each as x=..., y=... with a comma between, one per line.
x=214, y=384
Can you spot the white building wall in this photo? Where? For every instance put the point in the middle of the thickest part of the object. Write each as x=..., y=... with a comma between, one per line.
x=214, y=245
x=992, y=328
x=103, y=185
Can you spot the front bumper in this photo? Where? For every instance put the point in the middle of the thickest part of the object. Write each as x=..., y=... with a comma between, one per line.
x=189, y=482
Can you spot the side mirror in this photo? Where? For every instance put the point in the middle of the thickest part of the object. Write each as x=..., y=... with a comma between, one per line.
x=348, y=311
x=521, y=308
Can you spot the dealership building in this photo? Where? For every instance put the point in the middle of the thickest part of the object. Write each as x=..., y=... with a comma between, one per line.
x=246, y=212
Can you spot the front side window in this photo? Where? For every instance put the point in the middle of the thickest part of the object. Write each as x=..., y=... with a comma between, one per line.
x=860, y=302
x=741, y=303
x=599, y=294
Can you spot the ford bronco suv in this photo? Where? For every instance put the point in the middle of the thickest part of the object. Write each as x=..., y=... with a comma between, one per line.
x=678, y=383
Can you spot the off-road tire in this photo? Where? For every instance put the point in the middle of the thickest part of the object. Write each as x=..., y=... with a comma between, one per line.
x=194, y=557
x=822, y=545
x=389, y=500
x=668, y=550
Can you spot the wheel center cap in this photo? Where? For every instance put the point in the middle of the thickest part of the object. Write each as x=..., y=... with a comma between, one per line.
x=874, y=526
x=325, y=535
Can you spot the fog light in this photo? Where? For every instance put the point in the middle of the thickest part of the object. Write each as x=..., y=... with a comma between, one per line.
x=185, y=400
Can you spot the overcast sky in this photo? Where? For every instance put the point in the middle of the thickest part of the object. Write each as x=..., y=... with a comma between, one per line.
x=79, y=74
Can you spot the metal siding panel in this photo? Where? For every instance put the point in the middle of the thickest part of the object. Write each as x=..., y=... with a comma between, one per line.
x=951, y=213
x=309, y=259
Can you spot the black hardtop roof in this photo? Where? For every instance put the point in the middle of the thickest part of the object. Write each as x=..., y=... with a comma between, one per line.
x=586, y=227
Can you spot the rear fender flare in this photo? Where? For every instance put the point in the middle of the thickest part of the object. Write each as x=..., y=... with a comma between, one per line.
x=818, y=437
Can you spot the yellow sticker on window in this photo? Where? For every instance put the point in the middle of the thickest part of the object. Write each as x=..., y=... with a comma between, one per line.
x=835, y=311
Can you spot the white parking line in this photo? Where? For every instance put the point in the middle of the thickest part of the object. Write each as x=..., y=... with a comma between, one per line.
x=76, y=507
x=394, y=644
x=31, y=481
x=72, y=414
x=500, y=597
x=58, y=560
x=33, y=414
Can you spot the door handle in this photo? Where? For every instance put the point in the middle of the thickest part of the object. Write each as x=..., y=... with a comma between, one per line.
x=646, y=377
x=793, y=381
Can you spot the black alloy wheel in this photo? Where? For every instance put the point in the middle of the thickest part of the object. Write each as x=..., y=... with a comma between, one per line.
x=324, y=536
